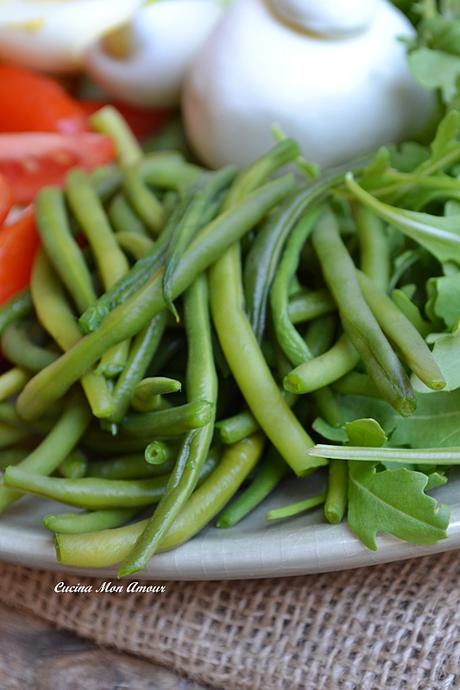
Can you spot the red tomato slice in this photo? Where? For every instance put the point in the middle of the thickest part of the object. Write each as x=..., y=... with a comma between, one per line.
x=31, y=161
x=19, y=243
x=142, y=122
x=6, y=199
x=32, y=102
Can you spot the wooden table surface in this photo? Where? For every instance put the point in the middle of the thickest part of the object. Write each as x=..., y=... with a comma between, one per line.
x=36, y=656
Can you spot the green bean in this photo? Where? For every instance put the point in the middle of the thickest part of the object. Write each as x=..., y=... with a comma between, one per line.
x=295, y=508
x=268, y=475
x=411, y=312
x=108, y=547
x=60, y=441
x=411, y=346
x=201, y=383
x=375, y=258
x=358, y=320
x=9, y=414
x=236, y=428
x=57, y=318
x=310, y=305
x=318, y=339
x=143, y=200
x=251, y=372
x=170, y=422
x=19, y=349
x=74, y=466
x=134, y=244
x=289, y=339
x=103, y=442
x=106, y=181
x=127, y=319
x=355, y=383
x=110, y=260
x=128, y=467
x=158, y=452
x=123, y=218
x=143, y=349
x=13, y=381
x=91, y=493
x=61, y=248
x=148, y=392
x=87, y=209
x=15, y=309
x=168, y=171
x=323, y=370
x=336, y=494
x=171, y=346
x=109, y=121
x=12, y=456
x=93, y=521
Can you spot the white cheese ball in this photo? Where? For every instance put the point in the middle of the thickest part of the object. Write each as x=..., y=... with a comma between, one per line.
x=338, y=97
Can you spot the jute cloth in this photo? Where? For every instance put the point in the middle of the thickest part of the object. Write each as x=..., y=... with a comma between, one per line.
x=387, y=627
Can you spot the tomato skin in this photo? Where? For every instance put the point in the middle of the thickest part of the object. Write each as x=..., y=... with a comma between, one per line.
x=19, y=242
x=29, y=162
x=142, y=122
x=33, y=102
x=6, y=199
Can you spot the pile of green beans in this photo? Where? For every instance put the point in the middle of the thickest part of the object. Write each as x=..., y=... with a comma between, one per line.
x=175, y=345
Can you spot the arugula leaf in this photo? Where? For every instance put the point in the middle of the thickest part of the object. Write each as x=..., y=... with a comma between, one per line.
x=332, y=433
x=446, y=303
x=438, y=234
x=434, y=424
x=365, y=432
x=446, y=352
x=393, y=501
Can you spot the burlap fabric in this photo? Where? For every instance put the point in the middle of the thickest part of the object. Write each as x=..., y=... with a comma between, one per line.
x=387, y=627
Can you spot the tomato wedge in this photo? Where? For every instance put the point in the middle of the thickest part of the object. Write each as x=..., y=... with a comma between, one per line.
x=19, y=242
x=33, y=102
x=142, y=122
x=31, y=161
x=6, y=199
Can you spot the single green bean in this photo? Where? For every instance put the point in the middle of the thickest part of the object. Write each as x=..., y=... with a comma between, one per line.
x=11, y=434
x=56, y=316
x=123, y=218
x=310, y=305
x=251, y=372
x=129, y=467
x=143, y=349
x=93, y=521
x=295, y=508
x=134, y=244
x=61, y=248
x=323, y=370
x=375, y=255
x=131, y=316
x=171, y=422
x=318, y=338
x=143, y=200
x=201, y=383
x=411, y=312
x=168, y=171
x=15, y=309
x=108, y=120
x=13, y=381
x=289, y=339
x=268, y=475
x=60, y=441
x=411, y=346
x=358, y=320
x=234, y=429
x=105, y=180
x=20, y=350
x=336, y=494
x=148, y=393
x=108, y=547
x=91, y=493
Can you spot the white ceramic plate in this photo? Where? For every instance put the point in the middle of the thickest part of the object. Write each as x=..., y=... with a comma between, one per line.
x=305, y=544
